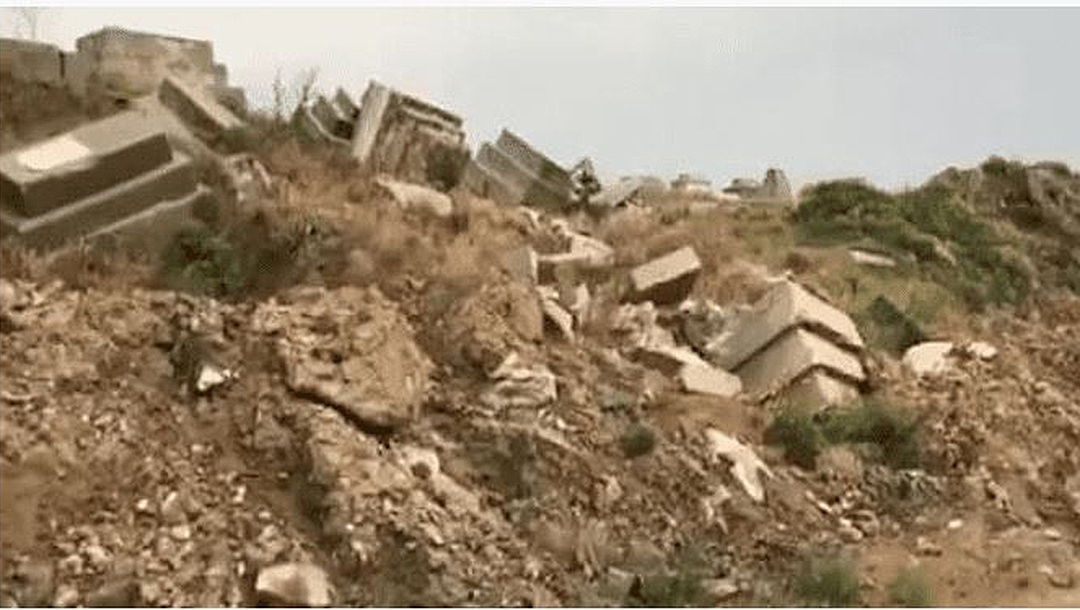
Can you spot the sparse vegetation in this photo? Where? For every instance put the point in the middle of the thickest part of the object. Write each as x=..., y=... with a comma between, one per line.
x=910, y=589
x=828, y=581
x=887, y=434
x=445, y=165
x=638, y=440
x=926, y=222
x=681, y=587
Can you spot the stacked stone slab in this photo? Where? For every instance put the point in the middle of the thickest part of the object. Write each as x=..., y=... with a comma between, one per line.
x=513, y=172
x=112, y=176
x=330, y=119
x=794, y=344
x=197, y=109
x=395, y=133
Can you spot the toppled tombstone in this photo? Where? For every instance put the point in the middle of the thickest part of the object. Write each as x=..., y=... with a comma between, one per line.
x=793, y=341
x=584, y=253
x=667, y=279
x=746, y=466
x=197, y=109
x=624, y=193
x=397, y=134
x=416, y=197
x=929, y=358
x=352, y=350
x=294, y=584
x=513, y=172
x=518, y=384
x=115, y=176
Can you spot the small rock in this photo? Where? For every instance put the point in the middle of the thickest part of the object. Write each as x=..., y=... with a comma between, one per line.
x=930, y=358
x=294, y=584
x=867, y=522
x=181, y=532
x=981, y=350
x=142, y=507
x=719, y=589
x=1052, y=533
x=72, y=564
x=925, y=547
x=97, y=555
x=172, y=509
x=1061, y=580
x=848, y=532
x=956, y=524
x=67, y=596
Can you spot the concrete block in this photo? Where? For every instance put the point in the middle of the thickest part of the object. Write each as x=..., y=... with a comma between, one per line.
x=332, y=118
x=387, y=118
x=159, y=223
x=77, y=71
x=197, y=108
x=562, y=320
x=525, y=188
x=796, y=353
x=522, y=264
x=30, y=61
x=345, y=104
x=668, y=359
x=131, y=64
x=61, y=170
x=929, y=358
x=305, y=120
x=533, y=161
x=710, y=380
x=786, y=305
x=818, y=389
x=667, y=279
x=172, y=181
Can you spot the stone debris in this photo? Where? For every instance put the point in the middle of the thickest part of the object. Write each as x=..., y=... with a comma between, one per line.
x=746, y=466
x=584, y=252
x=691, y=184
x=294, y=584
x=554, y=312
x=929, y=358
x=774, y=188
x=709, y=380
x=518, y=384
x=397, y=134
x=981, y=350
x=249, y=177
x=624, y=193
x=668, y=279
x=512, y=172
x=210, y=377
x=417, y=197
x=111, y=176
x=372, y=371
x=872, y=259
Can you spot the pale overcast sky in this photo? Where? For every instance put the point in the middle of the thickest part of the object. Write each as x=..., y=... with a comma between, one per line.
x=890, y=94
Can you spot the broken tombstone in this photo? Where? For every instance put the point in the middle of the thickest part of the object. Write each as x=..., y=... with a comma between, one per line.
x=667, y=279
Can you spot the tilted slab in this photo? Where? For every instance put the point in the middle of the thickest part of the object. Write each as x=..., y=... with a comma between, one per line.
x=818, y=389
x=197, y=108
x=796, y=353
x=534, y=162
x=784, y=306
x=174, y=180
x=667, y=279
x=524, y=187
x=157, y=224
x=64, y=169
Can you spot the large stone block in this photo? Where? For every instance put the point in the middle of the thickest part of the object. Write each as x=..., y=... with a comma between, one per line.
x=157, y=224
x=796, y=353
x=197, y=108
x=131, y=64
x=172, y=181
x=31, y=61
x=786, y=305
x=525, y=187
x=389, y=120
x=64, y=169
x=667, y=279
x=535, y=162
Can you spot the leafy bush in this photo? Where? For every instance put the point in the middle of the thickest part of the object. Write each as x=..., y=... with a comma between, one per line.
x=910, y=589
x=794, y=429
x=890, y=435
x=638, y=440
x=830, y=581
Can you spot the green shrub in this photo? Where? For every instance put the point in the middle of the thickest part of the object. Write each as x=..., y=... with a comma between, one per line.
x=638, y=440
x=887, y=327
x=910, y=589
x=830, y=581
x=891, y=434
x=793, y=428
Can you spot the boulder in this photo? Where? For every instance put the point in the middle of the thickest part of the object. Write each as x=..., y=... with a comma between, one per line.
x=699, y=379
x=929, y=358
x=294, y=584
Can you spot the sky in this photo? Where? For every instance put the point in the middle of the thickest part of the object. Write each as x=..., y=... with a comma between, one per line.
x=892, y=95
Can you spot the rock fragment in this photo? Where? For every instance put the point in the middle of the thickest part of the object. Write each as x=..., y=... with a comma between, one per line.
x=667, y=279
x=294, y=584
